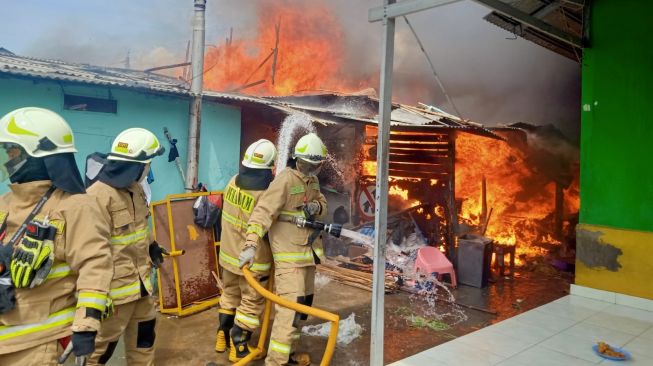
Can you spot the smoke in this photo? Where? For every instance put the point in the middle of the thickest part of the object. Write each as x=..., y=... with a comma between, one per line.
x=492, y=80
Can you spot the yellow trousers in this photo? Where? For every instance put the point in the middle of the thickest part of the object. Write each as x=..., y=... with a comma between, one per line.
x=136, y=320
x=297, y=285
x=42, y=355
x=238, y=294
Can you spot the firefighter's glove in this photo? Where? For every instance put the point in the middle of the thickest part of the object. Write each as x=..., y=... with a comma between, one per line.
x=156, y=254
x=312, y=208
x=246, y=257
x=83, y=343
x=34, y=254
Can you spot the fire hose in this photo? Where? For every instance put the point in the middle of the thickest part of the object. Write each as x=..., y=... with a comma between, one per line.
x=300, y=308
x=333, y=229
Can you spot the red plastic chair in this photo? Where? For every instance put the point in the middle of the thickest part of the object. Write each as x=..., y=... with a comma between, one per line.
x=431, y=260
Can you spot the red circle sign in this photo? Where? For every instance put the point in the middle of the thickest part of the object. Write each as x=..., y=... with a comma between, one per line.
x=366, y=202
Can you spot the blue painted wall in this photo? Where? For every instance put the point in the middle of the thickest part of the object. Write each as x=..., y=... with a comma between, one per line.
x=220, y=133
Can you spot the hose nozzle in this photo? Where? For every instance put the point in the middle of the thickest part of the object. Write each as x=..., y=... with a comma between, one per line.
x=333, y=229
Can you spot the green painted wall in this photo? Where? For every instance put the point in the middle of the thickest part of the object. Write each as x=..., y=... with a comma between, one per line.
x=617, y=117
x=220, y=133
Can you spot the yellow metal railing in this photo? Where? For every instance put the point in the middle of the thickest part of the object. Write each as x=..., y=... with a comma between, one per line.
x=272, y=298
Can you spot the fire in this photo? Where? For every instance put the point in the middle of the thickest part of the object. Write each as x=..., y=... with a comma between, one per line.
x=521, y=198
x=309, y=57
x=396, y=191
x=369, y=168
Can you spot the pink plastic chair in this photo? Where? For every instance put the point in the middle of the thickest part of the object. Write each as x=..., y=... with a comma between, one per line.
x=430, y=259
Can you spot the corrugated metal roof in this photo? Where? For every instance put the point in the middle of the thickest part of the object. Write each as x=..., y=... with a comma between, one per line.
x=89, y=74
x=337, y=107
x=566, y=16
x=340, y=107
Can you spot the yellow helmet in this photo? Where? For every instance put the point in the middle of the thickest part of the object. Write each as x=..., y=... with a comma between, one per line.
x=310, y=148
x=40, y=132
x=137, y=145
x=260, y=155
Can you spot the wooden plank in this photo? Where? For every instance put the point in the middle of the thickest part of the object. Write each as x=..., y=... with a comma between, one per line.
x=415, y=158
x=419, y=146
x=417, y=175
x=425, y=168
x=418, y=138
x=435, y=153
x=426, y=159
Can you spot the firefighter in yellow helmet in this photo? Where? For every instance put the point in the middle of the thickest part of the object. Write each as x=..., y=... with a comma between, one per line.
x=55, y=262
x=241, y=305
x=114, y=179
x=295, y=191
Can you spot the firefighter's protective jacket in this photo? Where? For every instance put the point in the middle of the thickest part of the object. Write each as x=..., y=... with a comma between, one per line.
x=130, y=239
x=80, y=275
x=237, y=207
x=287, y=194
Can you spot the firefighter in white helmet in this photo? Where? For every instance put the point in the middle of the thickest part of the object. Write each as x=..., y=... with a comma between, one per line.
x=240, y=305
x=114, y=179
x=296, y=251
x=55, y=261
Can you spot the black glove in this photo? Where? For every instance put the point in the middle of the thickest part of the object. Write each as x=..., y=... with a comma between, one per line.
x=7, y=294
x=156, y=254
x=83, y=343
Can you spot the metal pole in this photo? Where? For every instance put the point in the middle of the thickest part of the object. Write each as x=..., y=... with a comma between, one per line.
x=381, y=210
x=195, y=121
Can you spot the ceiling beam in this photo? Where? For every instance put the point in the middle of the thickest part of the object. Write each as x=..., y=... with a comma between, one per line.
x=546, y=10
x=575, y=2
x=404, y=8
x=533, y=22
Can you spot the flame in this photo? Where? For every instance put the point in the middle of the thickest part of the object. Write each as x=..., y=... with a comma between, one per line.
x=396, y=191
x=310, y=48
x=518, y=206
x=369, y=168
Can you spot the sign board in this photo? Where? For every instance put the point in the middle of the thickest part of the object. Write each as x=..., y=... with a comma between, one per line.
x=365, y=202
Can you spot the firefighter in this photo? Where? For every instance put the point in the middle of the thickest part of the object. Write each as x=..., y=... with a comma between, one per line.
x=241, y=305
x=295, y=191
x=115, y=182
x=55, y=262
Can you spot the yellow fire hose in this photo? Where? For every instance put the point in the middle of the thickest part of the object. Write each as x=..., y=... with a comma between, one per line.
x=272, y=298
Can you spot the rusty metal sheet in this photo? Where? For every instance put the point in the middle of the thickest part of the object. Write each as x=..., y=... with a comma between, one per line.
x=196, y=282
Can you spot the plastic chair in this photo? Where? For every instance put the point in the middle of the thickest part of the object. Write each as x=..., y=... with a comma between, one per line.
x=431, y=260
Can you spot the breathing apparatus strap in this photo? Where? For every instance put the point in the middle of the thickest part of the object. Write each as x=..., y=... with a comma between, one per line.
x=30, y=217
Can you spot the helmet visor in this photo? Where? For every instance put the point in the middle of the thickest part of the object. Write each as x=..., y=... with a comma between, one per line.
x=309, y=168
x=12, y=158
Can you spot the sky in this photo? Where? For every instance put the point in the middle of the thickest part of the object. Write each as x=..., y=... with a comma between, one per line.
x=492, y=79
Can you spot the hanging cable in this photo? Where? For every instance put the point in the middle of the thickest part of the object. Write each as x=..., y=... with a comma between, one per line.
x=435, y=74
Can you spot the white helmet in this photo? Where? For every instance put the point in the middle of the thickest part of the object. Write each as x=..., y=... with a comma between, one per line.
x=40, y=132
x=310, y=148
x=137, y=145
x=260, y=155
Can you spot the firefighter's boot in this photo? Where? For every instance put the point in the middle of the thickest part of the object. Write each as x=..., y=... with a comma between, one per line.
x=226, y=318
x=239, y=343
x=300, y=359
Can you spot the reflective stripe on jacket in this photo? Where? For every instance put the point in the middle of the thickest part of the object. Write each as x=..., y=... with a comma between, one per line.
x=81, y=273
x=130, y=239
x=237, y=206
x=287, y=194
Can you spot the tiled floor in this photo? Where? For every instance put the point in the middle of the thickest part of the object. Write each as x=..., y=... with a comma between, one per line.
x=560, y=333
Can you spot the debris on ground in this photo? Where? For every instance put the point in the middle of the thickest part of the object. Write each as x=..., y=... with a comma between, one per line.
x=348, y=330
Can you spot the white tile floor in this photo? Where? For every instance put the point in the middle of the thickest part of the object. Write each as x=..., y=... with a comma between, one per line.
x=560, y=333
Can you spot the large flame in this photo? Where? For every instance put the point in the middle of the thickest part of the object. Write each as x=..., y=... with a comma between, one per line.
x=518, y=205
x=310, y=49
